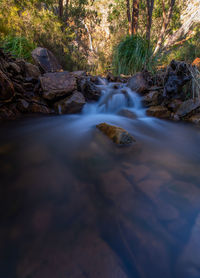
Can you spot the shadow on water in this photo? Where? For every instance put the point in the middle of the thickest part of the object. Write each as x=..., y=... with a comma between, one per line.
x=75, y=205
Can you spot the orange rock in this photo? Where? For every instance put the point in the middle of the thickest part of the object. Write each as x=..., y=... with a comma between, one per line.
x=117, y=134
x=196, y=63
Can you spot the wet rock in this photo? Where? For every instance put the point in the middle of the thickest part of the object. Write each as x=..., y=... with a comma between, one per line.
x=23, y=105
x=6, y=87
x=6, y=113
x=195, y=119
x=152, y=99
x=174, y=105
x=188, y=106
x=138, y=83
x=117, y=134
x=39, y=108
x=71, y=104
x=32, y=70
x=58, y=84
x=89, y=89
x=110, y=77
x=159, y=112
x=45, y=59
x=128, y=114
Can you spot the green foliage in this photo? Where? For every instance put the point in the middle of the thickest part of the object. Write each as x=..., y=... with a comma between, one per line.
x=131, y=55
x=19, y=46
x=187, y=51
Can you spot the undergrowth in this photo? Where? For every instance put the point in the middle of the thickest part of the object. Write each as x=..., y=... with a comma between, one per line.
x=133, y=54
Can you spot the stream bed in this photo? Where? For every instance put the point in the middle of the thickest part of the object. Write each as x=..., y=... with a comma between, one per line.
x=73, y=204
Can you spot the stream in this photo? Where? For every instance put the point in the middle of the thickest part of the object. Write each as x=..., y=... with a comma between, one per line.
x=73, y=204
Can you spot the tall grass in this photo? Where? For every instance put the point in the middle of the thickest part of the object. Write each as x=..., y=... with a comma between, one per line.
x=18, y=46
x=131, y=55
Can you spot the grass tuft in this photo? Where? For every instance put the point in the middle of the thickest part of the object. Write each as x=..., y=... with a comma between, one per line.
x=133, y=54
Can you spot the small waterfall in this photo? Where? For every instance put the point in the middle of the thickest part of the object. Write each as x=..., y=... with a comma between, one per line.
x=115, y=97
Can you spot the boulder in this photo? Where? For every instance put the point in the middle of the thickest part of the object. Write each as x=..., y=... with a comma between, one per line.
x=32, y=70
x=138, y=83
x=152, y=99
x=188, y=106
x=71, y=104
x=7, y=90
x=89, y=89
x=45, y=59
x=57, y=84
x=177, y=75
x=117, y=134
x=159, y=112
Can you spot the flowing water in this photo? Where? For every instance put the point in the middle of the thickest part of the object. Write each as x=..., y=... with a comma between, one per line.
x=75, y=205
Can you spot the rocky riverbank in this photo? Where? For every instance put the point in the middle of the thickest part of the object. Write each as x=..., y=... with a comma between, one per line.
x=44, y=88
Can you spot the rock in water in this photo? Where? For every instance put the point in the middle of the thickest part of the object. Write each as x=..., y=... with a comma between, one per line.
x=188, y=106
x=45, y=60
x=57, y=84
x=117, y=134
x=159, y=112
x=138, y=83
x=89, y=89
x=71, y=104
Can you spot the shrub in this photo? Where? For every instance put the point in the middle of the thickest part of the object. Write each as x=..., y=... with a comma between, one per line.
x=131, y=55
x=19, y=47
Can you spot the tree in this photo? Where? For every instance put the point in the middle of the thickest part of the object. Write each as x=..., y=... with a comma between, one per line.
x=60, y=8
x=150, y=7
x=132, y=19
x=166, y=17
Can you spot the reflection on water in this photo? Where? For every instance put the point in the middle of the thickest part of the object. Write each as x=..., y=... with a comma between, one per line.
x=75, y=205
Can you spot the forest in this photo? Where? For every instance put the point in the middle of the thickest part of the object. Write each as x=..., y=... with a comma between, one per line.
x=99, y=138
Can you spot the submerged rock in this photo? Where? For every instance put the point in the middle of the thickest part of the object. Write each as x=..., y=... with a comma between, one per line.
x=45, y=59
x=117, y=134
x=71, y=104
x=159, y=112
x=57, y=84
x=128, y=114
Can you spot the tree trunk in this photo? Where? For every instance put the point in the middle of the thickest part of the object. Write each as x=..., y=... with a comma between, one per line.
x=66, y=11
x=128, y=16
x=135, y=16
x=150, y=6
x=60, y=8
x=166, y=20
